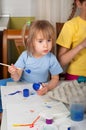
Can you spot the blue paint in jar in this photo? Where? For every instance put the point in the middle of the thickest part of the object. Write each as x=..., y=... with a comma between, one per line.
x=37, y=86
x=77, y=112
x=26, y=92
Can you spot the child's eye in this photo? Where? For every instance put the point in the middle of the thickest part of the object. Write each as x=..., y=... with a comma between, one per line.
x=40, y=41
x=49, y=40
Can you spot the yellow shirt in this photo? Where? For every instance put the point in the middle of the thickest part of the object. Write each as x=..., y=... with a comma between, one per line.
x=72, y=34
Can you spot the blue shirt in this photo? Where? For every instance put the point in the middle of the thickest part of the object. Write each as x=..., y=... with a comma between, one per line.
x=38, y=69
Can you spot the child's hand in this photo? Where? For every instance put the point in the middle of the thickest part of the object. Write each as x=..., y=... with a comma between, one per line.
x=43, y=90
x=49, y=86
x=12, y=69
x=15, y=72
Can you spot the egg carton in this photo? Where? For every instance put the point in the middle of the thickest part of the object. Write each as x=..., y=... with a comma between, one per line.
x=67, y=91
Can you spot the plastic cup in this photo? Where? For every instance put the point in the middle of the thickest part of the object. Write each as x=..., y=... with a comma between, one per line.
x=77, y=111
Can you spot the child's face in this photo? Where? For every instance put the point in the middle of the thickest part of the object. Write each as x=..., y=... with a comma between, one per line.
x=82, y=6
x=41, y=45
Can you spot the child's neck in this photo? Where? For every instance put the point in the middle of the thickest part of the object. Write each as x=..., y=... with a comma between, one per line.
x=37, y=55
x=83, y=16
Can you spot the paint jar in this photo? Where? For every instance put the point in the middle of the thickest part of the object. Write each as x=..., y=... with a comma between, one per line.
x=26, y=92
x=77, y=110
x=49, y=124
x=65, y=127
x=37, y=86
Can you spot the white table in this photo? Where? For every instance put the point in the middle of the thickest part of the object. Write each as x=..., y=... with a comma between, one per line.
x=74, y=125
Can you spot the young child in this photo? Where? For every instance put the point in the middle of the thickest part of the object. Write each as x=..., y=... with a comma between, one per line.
x=36, y=63
x=72, y=41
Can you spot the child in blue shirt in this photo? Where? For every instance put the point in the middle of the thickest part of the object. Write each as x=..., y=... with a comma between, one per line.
x=36, y=63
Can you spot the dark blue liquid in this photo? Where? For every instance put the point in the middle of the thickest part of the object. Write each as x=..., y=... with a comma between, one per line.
x=77, y=112
x=25, y=92
x=36, y=86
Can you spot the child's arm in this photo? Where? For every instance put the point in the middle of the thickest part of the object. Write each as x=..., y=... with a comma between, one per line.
x=49, y=86
x=15, y=72
x=66, y=55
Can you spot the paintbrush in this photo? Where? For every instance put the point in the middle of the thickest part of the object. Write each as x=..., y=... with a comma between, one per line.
x=7, y=65
x=4, y=64
x=30, y=125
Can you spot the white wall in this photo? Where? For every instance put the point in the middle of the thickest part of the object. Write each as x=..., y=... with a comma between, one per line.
x=66, y=7
x=53, y=10
x=16, y=7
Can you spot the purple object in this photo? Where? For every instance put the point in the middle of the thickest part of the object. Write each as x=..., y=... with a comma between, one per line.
x=49, y=121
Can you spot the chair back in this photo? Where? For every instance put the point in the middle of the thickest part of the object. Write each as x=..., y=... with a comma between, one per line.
x=16, y=36
x=58, y=28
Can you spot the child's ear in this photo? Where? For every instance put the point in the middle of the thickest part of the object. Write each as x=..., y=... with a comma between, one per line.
x=78, y=3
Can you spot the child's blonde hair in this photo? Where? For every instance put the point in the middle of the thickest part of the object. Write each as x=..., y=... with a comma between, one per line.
x=36, y=27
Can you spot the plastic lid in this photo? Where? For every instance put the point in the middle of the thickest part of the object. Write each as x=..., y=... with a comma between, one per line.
x=36, y=86
x=49, y=121
x=69, y=128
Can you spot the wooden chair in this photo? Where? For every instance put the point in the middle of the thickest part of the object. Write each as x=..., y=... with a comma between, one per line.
x=11, y=34
x=19, y=45
x=58, y=29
